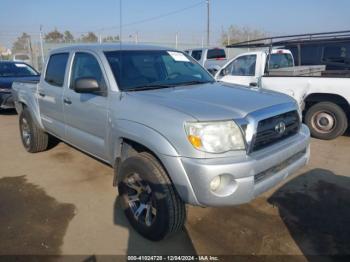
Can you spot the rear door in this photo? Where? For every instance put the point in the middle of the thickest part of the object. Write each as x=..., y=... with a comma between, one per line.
x=50, y=95
x=242, y=70
x=86, y=113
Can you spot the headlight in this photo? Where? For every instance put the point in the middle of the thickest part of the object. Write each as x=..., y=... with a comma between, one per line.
x=215, y=137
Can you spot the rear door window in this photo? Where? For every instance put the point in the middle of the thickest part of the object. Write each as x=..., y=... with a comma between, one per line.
x=56, y=69
x=216, y=53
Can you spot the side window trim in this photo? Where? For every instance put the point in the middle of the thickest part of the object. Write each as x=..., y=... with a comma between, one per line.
x=65, y=71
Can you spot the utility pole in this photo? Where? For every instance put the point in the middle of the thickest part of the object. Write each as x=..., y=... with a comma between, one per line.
x=176, y=39
x=136, y=37
x=208, y=23
x=228, y=43
x=42, y=46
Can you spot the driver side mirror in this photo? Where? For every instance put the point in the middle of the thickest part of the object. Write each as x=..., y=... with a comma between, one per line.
x=86, y=85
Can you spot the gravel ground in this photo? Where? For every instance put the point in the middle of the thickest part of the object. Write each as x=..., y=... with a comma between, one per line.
x=62, y=202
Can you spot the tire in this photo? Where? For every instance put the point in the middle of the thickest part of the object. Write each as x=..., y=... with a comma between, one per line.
x=143, y=181
x=326, y=120
x=34, y=139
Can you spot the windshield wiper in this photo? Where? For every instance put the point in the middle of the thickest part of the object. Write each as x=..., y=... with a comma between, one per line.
x=149, y=87
x=159, y=86
x=194, y=82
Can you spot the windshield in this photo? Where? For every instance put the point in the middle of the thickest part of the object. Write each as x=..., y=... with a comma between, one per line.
x=16, y=70
x=281, y=61
x=140, y=70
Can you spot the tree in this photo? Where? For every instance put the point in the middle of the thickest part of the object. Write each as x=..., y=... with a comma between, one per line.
x=22, y=44
x=54, y=37
x=236, y=34
x=68, y=37
x=90, y=37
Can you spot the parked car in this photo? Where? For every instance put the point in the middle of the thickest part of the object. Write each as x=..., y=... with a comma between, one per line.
x=210, y=58
x=22, y=57
x=324, y=100
x=10, y=72
x=172, y=133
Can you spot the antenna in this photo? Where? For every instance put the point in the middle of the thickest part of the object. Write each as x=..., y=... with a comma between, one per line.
x=208, y=23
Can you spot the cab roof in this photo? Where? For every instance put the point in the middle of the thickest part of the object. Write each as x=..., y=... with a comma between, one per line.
x=108, y=47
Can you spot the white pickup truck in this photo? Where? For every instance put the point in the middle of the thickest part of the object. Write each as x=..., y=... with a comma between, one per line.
x=324, y=101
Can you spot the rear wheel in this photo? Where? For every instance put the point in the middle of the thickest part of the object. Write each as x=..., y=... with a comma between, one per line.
x=149, y=199
x=33, y=138
x=326, y=120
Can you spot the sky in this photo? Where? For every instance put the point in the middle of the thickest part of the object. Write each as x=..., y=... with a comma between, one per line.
x=160, y=20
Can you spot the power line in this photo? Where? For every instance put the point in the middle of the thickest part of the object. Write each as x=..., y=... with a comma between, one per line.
x=154, y=17
x=8, y=33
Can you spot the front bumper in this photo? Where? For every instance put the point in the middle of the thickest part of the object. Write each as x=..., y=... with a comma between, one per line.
x=249, y=175
x=6, y=101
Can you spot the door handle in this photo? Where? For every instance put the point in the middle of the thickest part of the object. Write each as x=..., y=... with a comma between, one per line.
x=253, y=84
x=42, y=94
x=67, y=101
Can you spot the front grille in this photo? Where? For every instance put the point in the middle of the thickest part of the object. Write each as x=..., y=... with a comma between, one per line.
x=268, y=133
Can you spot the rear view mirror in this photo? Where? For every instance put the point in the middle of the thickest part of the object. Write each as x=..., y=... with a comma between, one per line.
x=86, y=85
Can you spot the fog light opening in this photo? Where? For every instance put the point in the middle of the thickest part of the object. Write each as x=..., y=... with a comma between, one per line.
x=215, y=183
x=223, y=185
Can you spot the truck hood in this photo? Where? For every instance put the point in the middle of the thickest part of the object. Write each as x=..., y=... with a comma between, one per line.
x=213, y=101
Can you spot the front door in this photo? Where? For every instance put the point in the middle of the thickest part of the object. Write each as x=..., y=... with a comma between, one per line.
x=86, y=113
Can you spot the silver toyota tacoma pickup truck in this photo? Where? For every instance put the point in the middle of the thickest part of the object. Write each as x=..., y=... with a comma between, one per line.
x=172, y=134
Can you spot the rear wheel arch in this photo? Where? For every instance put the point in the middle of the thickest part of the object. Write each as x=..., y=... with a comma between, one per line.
x=20, y=106
x=35, y=115
x=314, y=98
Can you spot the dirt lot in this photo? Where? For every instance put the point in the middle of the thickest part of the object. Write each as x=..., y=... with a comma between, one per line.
x=62, y=202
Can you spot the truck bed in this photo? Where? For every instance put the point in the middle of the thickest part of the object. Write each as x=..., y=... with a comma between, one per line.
x=316, y=70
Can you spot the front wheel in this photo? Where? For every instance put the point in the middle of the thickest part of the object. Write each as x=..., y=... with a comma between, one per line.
x=149, y=199
x=326, y=120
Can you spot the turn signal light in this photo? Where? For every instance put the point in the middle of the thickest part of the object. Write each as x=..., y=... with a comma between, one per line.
x=195, y=141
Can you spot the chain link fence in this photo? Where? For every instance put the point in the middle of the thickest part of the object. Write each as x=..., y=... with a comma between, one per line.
x=38, y=50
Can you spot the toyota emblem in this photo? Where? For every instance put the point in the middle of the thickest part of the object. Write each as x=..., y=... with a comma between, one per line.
x=280, y=127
